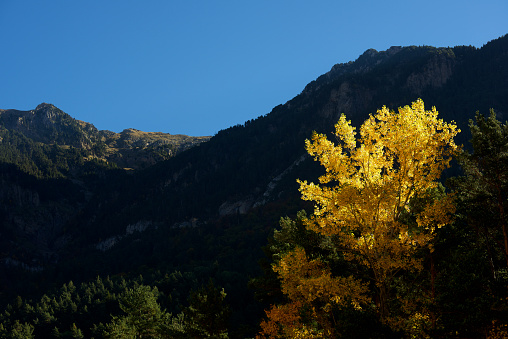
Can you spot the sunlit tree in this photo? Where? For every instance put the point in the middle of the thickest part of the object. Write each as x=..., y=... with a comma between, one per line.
x=364, y=205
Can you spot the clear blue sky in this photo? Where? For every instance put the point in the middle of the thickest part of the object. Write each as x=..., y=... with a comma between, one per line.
x=196, y=67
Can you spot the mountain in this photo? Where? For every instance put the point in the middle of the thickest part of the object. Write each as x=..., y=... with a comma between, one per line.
x=249, y=165
x=131, y=148
x=208, y=209
x=48, y=124
x=53, y=165
x=136, y=149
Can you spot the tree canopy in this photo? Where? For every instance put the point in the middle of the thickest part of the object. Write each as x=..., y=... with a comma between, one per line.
x=377, y=206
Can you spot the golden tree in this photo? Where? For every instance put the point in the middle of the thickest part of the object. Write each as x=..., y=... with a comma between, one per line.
x=364, y=200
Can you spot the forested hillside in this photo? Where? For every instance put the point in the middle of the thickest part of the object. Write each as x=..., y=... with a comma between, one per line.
x=123, y=217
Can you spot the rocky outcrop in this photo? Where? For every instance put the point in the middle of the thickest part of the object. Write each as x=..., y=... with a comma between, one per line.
x=243, y=206
x=130, y=229
x=435, y=74
x=140, y=226
x=236, y=207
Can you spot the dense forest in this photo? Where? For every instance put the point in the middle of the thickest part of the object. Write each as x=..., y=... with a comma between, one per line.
x=221, y=240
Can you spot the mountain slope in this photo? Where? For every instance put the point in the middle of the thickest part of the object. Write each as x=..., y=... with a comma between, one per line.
x=52, y=166
x=245, y=165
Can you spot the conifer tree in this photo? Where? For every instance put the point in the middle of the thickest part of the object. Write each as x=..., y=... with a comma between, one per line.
x=207, y=314
x=143, y=317
x=484, y=186
x=22, y=331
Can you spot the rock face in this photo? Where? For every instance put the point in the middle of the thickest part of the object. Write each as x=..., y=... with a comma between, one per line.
x=435, y=74
x=138, y=227
x=237, y=207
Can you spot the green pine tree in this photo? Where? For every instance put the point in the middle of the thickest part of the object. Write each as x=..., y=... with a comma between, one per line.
x=143, y=317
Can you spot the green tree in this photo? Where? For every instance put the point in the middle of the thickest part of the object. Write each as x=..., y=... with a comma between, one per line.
x=22, y=331
x=484, y=186
x=76, y=332
x=143, y=317
x=479, y=273
x=207, y=314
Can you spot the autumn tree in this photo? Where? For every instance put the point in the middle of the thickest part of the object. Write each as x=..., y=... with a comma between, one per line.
x=365, y=208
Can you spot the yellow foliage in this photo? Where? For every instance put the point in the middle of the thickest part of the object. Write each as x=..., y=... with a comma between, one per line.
x=307, y=280
x=309, y=283
x=367, y=190
x=282, y=319
x=284, y=322
x=417, y=323
x=369, y=184
x=498, y=330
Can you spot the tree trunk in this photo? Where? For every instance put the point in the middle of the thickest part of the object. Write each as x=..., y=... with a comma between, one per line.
x=503, y=223
x=383, y=302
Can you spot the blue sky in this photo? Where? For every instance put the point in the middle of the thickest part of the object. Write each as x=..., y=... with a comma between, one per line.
x=196, y=67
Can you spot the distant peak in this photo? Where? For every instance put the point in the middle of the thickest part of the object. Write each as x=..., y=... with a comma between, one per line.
x=394, y=49
x=370, y=52
x=44, y=105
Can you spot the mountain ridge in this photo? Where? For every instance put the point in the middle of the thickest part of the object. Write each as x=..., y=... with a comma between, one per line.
x=130, y=148
x=240, y=164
